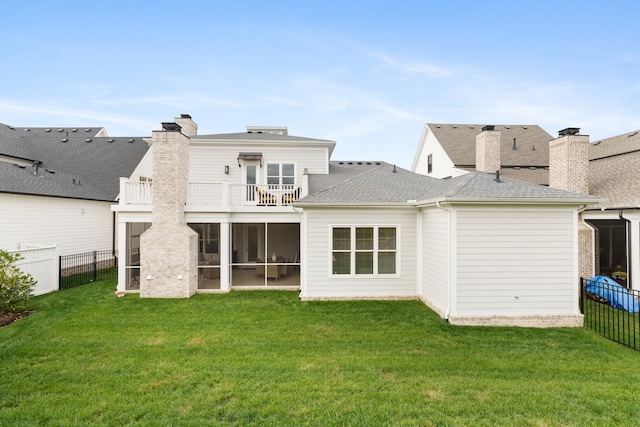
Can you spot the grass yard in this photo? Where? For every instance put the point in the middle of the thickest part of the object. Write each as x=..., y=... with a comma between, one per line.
x=86, y=357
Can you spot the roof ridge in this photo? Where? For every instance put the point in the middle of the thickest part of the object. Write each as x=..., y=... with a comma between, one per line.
x=465, y=181
x=351, y=178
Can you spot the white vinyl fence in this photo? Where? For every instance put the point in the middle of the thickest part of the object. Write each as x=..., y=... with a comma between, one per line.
x=41, y=262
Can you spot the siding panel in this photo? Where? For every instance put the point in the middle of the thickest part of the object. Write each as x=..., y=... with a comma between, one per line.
x=515, y=262
x=435, y=258
x=74, y=225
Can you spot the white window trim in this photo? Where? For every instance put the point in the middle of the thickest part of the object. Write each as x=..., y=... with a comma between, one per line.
x=353, y=251
x=295, y=172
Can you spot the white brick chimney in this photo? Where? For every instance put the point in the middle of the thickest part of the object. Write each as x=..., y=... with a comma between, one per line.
x=168, y=251
x=569, y=161
x=569, y=170
x=189, y=127
x=488, y=150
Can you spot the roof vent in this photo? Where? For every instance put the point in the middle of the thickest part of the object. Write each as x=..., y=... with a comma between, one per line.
x=64, y=139
x=87, y=130
x=48, y=130
x=488, y=127
x=50, y=171
x=87, y=140
x=110, y=140
x=131, y=140
x=74, y=130
x=185, y=116
x=568, y=131
x=27, y=130
x=633, y=134
x=60, y=130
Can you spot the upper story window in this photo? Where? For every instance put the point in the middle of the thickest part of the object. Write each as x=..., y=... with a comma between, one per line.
x=368, y=250
x=430, y=163
x=281, y=174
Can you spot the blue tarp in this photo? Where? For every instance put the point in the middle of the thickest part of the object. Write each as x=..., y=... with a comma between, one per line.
x=617, y=295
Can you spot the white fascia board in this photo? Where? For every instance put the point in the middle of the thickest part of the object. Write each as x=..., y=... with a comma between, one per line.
x=511, y=200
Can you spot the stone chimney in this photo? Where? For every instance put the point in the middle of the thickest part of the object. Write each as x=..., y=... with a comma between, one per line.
x=569, y=161
x=169, y=248
x=189, y=127
x=488, y=150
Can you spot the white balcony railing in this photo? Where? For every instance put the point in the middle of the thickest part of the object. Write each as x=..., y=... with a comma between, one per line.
x=220, y=194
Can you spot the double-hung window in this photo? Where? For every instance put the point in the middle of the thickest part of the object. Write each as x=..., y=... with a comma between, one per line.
x=281, y=175
x=364, y=250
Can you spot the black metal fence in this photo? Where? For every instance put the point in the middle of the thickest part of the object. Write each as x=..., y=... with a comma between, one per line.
x=78, y=269
x=611, y=310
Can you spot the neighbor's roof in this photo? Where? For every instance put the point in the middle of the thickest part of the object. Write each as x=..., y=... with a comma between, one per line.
x=73, y=162
x=614, y=170
x=380, y=183
x=459, y=142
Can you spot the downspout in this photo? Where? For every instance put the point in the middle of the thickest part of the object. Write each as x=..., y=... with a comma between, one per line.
x=449, y=297
x=593, y=237
x=628, y=239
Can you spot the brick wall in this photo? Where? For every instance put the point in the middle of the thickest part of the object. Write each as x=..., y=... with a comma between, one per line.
x=488, y=151
x=569, y=163
x=168, y=251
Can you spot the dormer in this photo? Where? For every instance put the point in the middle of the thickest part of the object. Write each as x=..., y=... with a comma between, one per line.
x=275, y=130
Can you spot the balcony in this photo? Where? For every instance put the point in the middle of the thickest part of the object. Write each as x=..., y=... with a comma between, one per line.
x=214, y=194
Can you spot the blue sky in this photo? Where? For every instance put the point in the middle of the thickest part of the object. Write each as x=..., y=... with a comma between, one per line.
x=366, y=74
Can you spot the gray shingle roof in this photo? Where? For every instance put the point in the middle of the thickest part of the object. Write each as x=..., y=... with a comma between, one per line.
x=376, y=183
x=459, y=142
x=70, y=165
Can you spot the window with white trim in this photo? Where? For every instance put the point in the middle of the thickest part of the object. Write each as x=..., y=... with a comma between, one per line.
x=281, y=174
x=364, y=250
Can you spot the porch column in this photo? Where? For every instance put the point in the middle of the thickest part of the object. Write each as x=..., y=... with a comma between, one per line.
x=225, y=257
x=122, y=256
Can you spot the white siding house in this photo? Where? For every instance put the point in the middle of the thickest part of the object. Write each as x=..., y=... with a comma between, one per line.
x=271, y=211
x=57, y=186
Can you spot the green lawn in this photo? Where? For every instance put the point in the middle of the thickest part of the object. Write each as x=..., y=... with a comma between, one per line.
x=264, y=358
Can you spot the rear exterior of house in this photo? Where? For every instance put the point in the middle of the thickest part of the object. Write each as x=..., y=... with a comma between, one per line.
x=266, y=210
x=237, y=200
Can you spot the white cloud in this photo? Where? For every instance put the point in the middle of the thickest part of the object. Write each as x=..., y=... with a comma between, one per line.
x=424, y=68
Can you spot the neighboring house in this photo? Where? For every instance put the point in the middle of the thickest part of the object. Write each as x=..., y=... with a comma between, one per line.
x=606, y=168
x=449, y=150
x=614, y=165
x=57, y=186
x=264, y=209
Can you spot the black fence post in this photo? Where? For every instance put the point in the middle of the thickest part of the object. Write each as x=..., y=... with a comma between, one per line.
x=95, y=266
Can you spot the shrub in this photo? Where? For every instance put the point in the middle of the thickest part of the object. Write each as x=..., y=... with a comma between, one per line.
x=15, y=286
